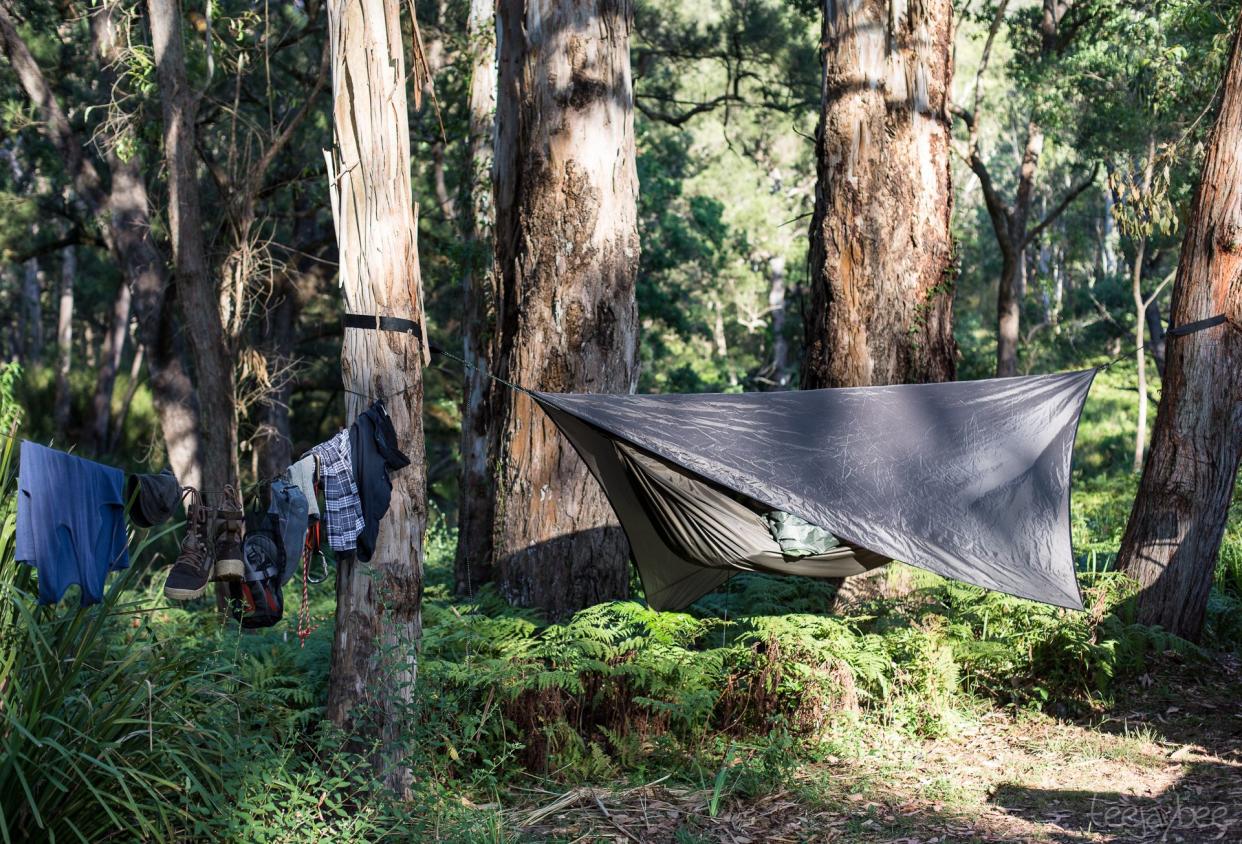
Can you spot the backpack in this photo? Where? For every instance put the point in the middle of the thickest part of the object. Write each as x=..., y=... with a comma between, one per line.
x=258, y=600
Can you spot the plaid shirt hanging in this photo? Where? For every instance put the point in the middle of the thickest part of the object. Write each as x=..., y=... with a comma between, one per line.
x=344, y=506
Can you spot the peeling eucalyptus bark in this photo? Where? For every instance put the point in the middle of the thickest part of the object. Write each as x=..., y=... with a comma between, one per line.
x=881, y=257
x=379, y=604
x=476, y=505
x=1174, y=534
x=567, y=247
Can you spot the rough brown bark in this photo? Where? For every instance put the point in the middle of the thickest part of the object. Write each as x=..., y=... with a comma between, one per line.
x=881, y=259
x=1173, y=537
x=567, y=245
x=378, y=616
x=196, y=290
x=475, y=498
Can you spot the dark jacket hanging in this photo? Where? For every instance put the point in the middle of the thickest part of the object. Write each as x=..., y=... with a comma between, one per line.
x=374, y=453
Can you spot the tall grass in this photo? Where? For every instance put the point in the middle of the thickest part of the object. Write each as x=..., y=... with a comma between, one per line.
x=98, y=731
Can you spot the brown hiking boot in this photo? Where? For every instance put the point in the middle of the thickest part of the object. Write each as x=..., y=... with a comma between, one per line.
x=230, y=530
x=192, y=570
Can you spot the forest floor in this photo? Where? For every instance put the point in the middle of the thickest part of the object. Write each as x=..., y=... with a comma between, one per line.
x=1164, y=765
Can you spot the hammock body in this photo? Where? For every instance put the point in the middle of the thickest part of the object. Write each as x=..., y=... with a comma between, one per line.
x=968, y=479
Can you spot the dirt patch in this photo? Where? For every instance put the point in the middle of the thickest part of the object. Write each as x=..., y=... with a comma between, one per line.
x=1164, y=765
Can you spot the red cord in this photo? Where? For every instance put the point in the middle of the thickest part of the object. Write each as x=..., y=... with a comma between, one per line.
x=305, y=628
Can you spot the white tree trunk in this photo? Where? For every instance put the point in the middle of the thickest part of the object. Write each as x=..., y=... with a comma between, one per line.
x=1140, y=319
x=64, y=338
x=378, y=616
x=476, y=508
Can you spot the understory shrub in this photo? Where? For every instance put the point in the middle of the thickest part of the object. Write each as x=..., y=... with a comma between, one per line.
x=618, y=682
x=102, y=721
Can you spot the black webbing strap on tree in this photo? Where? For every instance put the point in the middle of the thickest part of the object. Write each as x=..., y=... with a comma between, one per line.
x=1198, y=325
x=401, y=325
x=383, y=323
x=1180, y=331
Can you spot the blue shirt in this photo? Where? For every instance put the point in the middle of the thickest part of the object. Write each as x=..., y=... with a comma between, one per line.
x=70, y=522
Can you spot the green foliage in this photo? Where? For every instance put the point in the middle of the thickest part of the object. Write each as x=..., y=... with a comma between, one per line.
x=104, y=724
x=10, y=410
x=1016, y=651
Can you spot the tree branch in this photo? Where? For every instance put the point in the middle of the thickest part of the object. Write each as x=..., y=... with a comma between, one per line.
x=679, y=120
x=255, y=181
x=1163, y=283
x=86, y=182
x=47, y=247
x=983, y=66
x=967, y=117
x=998, y=211
x=1061, y=206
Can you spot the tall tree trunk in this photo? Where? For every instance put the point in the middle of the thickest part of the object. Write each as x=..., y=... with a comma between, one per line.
x=64, y=340
x=1008, y=315
x=123, y=216
x=32, y=310
x=1155, y=334
x=778, y=364
x=152, y=299
x=476, y=500
x=1012, y=284
x=9, y=279
x=274, y=449
x=152, y=293
x=1010, y=221
x=378, y=610
x=127, y=400
x=1107, y=237
x=720, y=340
x=109, y=364
x=1140, y=317
x=1173, y=538
x=567, y=244
x=196, y=289
x=881, y=258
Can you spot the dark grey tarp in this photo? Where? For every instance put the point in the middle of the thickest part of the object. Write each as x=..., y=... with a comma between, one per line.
x=968, y=479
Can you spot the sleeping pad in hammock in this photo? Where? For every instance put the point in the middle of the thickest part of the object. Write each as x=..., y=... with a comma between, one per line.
x=967, y=479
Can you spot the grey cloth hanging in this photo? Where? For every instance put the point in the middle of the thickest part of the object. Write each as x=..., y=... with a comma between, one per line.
x=302, y=475
x=152, y=498
x=968, y=479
